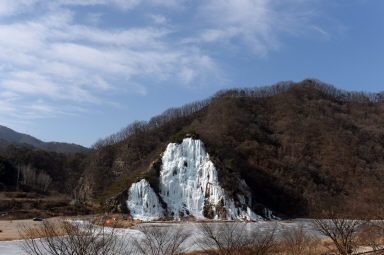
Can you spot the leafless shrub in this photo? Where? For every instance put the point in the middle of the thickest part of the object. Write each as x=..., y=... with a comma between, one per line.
x=263, y=243
x=160, y=240
x=372, y=234
x=296, y=242
x=64, y=237
x=233, y=238
x=342, y=232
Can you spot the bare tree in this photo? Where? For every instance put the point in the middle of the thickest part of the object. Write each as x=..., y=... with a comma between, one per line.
x=342, y=232
x=372, y=235
x=296, y=242
x=372, y=231
x=43, y=181
x=32, y=178
x=63, y=237
x=29, y=175
x=231, y=238
x=160, y=240
x=264, y=243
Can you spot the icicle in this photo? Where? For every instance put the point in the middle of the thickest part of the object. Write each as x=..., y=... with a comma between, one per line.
x=143, y=202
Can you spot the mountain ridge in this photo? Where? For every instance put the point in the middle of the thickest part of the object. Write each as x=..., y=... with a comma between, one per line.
x=9, y=136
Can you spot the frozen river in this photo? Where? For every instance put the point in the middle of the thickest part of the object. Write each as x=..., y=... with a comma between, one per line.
x=260, y=228
x=10, y=248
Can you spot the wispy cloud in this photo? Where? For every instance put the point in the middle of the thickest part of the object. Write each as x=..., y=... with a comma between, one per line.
x=254, y=24
x=14, y=7
x=11, y=7
x=158, y=19
x=54, y=57
x=50, y=59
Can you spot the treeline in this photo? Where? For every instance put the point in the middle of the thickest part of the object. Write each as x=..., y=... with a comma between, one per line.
x=325, y=90
x=155, y=122
x=39, y=169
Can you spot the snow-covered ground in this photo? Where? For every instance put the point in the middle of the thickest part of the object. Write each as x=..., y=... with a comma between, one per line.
x=10, y=248
x=261, y=227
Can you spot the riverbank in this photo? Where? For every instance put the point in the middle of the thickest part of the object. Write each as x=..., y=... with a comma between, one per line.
x=301, y=231
x=9, y=228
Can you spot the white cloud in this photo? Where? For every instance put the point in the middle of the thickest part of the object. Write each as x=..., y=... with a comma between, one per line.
x=158, y=19
x=125, y=4
x=255, y=24
x=8, y=96
x=52, y=57
x=12, y=7
x=321, y=31
x=94, y=18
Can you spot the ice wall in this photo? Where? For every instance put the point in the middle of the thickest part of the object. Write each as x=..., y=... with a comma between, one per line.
x=189, y=185
x=143, y=203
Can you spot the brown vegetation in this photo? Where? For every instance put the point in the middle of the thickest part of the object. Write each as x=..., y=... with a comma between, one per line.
x=296, y=242
x=233, y=239
x=58, y=236
x=160, y=240
x=65, y=237
x=371, y=235
x=342, y=231
x=64, y=170
x=301, y=147
x=26, y=205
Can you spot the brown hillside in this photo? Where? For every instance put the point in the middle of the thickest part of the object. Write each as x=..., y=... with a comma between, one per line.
x=301, y=147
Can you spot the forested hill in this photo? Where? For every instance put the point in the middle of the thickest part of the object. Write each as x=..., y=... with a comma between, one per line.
x=301, y=147
x=9, y=136
x=62, y=163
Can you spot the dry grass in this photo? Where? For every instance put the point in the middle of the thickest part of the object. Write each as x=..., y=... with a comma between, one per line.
x=117, y=220
x=321, y=247
x=371, y=235
x=66, y=237
x=293, y=241
x=10, y=228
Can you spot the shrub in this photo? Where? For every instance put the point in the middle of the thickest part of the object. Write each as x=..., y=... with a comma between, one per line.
x=64, y=237
x=232, y=238
x=161, y=240
x=179, y=137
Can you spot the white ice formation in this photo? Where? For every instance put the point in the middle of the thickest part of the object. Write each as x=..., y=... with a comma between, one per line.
x=189, y=186
x=143, y=203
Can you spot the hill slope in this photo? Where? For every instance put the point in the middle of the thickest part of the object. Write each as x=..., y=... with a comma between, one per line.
x=9, y=136
x=300, y=147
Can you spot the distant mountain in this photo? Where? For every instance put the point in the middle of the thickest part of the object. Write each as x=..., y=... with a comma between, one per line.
x=9, y=136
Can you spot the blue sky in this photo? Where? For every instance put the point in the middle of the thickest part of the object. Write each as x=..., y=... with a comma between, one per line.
x=79, y=70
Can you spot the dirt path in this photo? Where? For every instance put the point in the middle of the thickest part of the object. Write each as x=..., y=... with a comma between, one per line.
x=10, y=228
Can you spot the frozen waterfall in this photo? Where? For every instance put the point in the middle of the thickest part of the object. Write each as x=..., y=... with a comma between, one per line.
x=189, y=186
x=143, y=202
